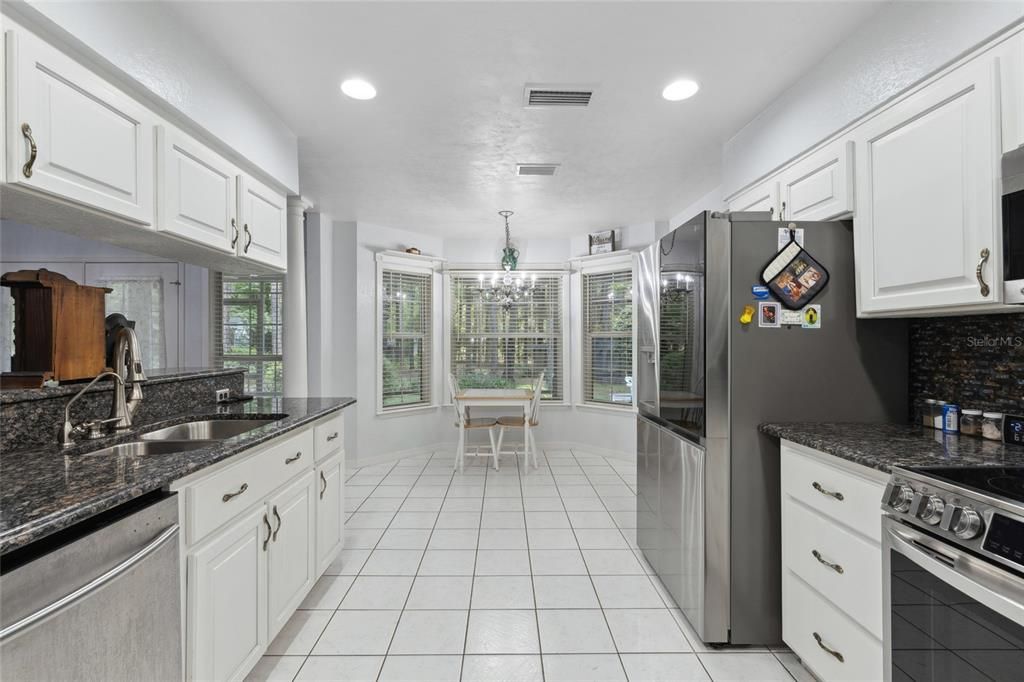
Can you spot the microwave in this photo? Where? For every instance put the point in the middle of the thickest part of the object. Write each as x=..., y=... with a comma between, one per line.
x=1013, y=227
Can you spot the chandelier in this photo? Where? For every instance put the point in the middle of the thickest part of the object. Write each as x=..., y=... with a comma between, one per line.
x=508, y=286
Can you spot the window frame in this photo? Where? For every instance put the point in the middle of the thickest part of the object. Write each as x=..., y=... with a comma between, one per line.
x=216, y=339
x=617, y=261
x=566, y=332
x=412, y=265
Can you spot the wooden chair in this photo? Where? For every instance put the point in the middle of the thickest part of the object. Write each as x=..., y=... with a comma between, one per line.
x=519, y=422
x=464, y=423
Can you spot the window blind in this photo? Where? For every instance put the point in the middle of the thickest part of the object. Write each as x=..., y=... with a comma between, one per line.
x=247, y=329
x=496, y=348
x=608, y=337
x=405, y=339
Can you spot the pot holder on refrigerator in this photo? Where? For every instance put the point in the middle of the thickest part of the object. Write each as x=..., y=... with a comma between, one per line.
x=794, y=276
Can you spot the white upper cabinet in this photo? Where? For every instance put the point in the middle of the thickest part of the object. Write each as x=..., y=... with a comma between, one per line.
x=1011, y=77
x=820, y=185
x=196, y=192
x=72, y=135
x=263, y=213
x=927, y=185
x=761, y=197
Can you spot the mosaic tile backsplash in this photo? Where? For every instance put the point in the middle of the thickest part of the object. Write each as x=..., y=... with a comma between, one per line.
x=976, y=362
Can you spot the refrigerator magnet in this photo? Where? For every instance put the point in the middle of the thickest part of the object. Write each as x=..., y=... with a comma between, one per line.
x=760, y=292
x=792, y=318
x=768, y=314
x=812, y=317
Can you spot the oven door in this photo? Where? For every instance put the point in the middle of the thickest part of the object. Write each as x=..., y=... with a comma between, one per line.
x=947, y=614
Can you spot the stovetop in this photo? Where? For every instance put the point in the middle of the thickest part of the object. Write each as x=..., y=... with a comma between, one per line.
x=1005, y=483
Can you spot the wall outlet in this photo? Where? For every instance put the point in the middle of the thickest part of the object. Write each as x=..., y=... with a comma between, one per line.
x=223, y=395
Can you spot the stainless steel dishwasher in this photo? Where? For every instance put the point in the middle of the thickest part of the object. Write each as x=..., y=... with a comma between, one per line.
x=99, y=601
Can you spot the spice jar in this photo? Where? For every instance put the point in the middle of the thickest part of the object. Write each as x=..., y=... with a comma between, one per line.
x=926, y=412
x=950, y=418
x=970, y=422
x=992, y=425
x=938, y=408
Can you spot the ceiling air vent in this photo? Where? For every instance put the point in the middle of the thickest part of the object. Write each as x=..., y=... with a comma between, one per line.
x=536, y=169
x=557, y=96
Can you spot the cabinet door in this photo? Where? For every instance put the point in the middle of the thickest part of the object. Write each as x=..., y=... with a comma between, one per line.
x=927, y=186
x=196, y=190
x=94, y=144
x=292, y=555
x=762, y=197
x=227, y=600
x=1011, y=76
x=820, y=186
x=330, y=509
x=264, y=222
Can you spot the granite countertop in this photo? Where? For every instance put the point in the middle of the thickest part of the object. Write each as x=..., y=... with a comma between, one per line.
x=153, y=376
x=884, y=446
x=45, y=490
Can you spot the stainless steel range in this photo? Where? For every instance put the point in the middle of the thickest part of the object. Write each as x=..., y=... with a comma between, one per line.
x=953, y=564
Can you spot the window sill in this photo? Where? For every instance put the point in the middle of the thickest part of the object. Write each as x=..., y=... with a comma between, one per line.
x=599, y=407
x=403, y=411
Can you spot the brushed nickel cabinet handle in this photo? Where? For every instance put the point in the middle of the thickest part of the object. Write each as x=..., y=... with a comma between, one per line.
x=26, y=130
x=782, y=211
x=833, y=652
x=835, y=567
x=332, y=436
x=294, y=458
x=234, y=229
x=227, y=496
x=278, y=517
x=323, y=486
x=981, y=277
x=269, y=532
x=248, y=238
x=817, y=486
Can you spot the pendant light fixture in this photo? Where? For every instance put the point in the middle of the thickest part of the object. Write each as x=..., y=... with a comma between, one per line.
x=507, y=287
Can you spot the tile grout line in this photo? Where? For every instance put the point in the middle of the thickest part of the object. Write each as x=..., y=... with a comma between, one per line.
x=529, y=561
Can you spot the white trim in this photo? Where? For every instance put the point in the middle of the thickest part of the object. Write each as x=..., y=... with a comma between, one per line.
x=408, y=262
x=613, y=408
x=445, y=447
x=602, y=262
x=495, y=267
x=406, y=411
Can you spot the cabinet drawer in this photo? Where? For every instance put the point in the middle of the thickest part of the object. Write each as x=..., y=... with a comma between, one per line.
x=834, y=491
x=330, y=436
x=806, y=613
x=853, y=582
x=231, y=491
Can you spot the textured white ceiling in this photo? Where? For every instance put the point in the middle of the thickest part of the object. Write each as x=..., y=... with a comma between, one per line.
x=436, y=150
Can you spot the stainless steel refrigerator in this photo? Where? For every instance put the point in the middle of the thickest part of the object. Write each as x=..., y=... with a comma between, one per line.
x=708, y=503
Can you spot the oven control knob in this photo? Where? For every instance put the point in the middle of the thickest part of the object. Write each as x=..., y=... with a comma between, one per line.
x=901, y=498
x=931, y=513
x=968, y=525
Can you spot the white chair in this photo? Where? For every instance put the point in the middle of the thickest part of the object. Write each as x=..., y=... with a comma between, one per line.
x=519, y=422
x=464, y=423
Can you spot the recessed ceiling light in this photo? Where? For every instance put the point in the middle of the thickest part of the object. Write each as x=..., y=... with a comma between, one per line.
x=681, y=89
x=357, y=88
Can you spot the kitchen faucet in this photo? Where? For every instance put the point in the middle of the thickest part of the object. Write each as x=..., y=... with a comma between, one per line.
x=94, y=428
x=127, y=362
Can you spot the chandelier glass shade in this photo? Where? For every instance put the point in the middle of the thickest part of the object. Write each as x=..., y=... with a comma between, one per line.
x=508, y=286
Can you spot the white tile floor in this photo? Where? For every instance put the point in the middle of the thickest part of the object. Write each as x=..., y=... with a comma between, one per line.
x=498, y=576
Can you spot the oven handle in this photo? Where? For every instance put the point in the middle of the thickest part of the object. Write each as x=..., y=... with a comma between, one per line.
x=999, y=590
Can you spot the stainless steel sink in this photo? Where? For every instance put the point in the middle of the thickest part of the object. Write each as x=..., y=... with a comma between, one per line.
x=208, y=429
x=150, y=447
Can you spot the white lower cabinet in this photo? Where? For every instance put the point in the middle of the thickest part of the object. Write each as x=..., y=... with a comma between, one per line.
x=832, y=564
x=330, y=509
x=227, y=600
x=254, y=550
x=292, y=554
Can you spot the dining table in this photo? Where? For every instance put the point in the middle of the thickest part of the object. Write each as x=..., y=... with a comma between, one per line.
x=518, y=398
